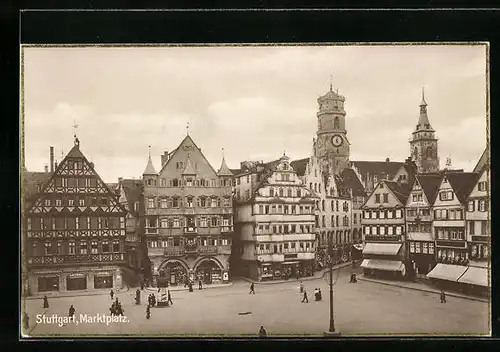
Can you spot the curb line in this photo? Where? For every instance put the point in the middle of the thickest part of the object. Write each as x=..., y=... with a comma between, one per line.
x=81, y=295
x=424, y=290
x=187, y=289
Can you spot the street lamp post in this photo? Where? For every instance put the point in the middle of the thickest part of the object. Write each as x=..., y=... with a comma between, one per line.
x=331, y=331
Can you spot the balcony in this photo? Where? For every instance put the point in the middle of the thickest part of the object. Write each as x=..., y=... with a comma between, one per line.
x=207, y=250
x=76, y=259
x=226, y=229
x=174, y=251
x=190, y=230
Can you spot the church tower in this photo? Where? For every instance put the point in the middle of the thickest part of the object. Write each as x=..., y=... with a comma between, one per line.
x=332, y=146
x=424, y=144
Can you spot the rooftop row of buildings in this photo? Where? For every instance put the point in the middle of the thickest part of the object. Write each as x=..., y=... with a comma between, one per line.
x=265, y=220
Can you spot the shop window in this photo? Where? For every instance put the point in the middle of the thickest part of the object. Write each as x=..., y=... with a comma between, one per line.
x=49, y=283
x=76, y=282
x=103, y=281
x=431, y=248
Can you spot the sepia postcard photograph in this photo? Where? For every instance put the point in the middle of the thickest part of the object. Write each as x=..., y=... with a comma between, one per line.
x=240, y=190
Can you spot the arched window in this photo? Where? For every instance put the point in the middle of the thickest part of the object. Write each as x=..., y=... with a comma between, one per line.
x=332, y=208
x=336, y=123
x=429, y=152
x=333, y=221
x=337, y=208
x=281, y=192
x=310, y=186
x=323, y=205
x=271, y=192
x=337, y=221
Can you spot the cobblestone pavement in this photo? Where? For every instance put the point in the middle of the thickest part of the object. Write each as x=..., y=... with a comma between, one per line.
x=364, y=308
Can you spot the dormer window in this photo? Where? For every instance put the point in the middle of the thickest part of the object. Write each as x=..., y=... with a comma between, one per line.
x=285, y=167
x=189, y=182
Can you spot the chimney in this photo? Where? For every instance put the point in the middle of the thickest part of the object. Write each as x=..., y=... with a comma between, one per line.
x=55, y=165
x=46, y=168
x=387, y=160
x=120, y=179
x=164, y=158
x=51, y=159
x=92, y=164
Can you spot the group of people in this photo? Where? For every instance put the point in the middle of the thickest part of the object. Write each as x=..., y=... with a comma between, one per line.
x=116, y=308
x=152, y=300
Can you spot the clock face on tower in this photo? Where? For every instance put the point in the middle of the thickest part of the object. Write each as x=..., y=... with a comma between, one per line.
x=337, y=140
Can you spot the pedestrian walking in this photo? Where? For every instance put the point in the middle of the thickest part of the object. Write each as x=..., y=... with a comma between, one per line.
x=111, y=293
x=45, y=302
x=71, y=311
x=301, y=287
x=26, y=321
x=190, y=286
x=148, y=312
x=305, y=297
x=252, y=288
x=200, y=286
x=262, y=332
x=443, y=297
x=169, y=300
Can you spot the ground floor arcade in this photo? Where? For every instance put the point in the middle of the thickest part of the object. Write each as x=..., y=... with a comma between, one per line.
x=179, y=271
x=266, y=271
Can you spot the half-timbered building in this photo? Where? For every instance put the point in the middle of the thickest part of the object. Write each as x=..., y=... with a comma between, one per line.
x=74, y=231
x=419, y=217
x=384, y=230
x=274, y=221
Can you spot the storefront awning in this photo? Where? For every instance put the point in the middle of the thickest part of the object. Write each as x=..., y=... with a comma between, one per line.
x=475, y=276
x=379, y=264
x=447, y=272
x=382, y=248
x=420, y=236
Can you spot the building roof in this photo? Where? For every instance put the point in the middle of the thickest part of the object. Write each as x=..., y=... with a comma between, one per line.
x=351, y=180
x=150, y=169
x=133, y=192
x=462, y=183
x=430, y=185
x=400, y=190
x=224, y=170
x=483, y=162
x=383, y=169
x=300, y=166
x=30, y=182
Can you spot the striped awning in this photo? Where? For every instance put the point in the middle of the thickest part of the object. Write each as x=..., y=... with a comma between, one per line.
x=380, y=264
x=475, y=276
x=447, y=272
x=382, y=248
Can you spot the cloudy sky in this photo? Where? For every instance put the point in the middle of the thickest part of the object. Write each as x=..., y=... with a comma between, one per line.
x=255, y=102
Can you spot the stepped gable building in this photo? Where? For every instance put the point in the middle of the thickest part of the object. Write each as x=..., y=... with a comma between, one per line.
x=274, y=220
x=384, y=230
x=131, y=196
x=74, y=231
x=419, y=219
x=189, y=217
x=424, y=144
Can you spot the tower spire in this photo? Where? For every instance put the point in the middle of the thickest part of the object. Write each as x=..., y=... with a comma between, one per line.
x=331, y=80
x=423, y=103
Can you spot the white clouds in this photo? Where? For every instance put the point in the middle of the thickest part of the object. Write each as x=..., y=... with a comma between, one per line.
x=253, y=101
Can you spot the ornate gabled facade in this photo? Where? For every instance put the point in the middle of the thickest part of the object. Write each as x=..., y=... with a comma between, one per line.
x=419, y=218
x=274, y=220
x=74, y=231
x=189, y=217
x=384, y=230
x=424, y=144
